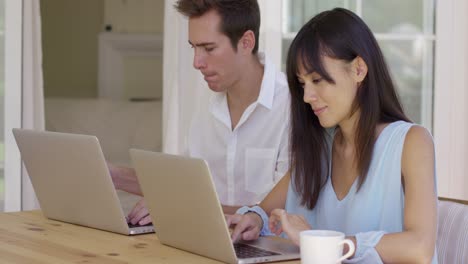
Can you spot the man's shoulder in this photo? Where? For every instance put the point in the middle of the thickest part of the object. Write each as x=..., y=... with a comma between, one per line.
x=281, y=81
x=273, y=72
x=281, y=94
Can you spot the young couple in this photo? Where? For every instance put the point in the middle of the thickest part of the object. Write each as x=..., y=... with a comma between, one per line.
x=351, y=159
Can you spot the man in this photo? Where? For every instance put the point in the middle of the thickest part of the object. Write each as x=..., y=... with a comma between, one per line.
x=243, y=132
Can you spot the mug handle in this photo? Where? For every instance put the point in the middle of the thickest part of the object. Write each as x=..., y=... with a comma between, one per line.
x=350, y=251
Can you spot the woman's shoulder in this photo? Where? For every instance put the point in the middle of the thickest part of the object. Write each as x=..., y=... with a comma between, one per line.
x=418, y=149
x=407, y=135
x=405, y=127
x=418, y=139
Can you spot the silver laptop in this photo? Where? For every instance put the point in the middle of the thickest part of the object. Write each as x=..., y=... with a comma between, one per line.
x=186, y=212
x=72, y=182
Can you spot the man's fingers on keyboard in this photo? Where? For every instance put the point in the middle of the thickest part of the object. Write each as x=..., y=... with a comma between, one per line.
x=140, y=205
x=146, y=220
x=241, y=227
x=251, y=234
x=134, y=211
x=139, y=216
x=233, y=219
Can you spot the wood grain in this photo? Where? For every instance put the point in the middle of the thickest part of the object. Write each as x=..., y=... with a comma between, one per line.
x=28, y=237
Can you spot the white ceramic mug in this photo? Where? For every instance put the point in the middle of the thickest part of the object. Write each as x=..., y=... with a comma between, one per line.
x=324, y=247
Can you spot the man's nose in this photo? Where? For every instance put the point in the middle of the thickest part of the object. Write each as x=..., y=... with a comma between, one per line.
x=198, y=61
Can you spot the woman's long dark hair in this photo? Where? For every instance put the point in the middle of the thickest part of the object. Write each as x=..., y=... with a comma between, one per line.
x=338, y=34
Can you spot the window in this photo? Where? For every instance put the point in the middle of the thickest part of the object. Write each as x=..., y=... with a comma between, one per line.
x=405, y=32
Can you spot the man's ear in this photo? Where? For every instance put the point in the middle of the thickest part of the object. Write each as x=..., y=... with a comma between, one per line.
x=247, y=42
x=359, y=69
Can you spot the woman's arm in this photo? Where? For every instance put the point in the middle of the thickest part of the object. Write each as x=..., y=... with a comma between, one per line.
x=276, y=198
x=416, y=243
x=249, y=225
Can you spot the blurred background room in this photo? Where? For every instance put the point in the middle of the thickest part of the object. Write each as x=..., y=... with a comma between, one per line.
x=122, y=70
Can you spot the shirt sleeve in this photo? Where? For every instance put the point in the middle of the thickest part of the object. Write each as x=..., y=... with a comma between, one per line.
x=258, y=210
x=365, y=248
x=282, y=162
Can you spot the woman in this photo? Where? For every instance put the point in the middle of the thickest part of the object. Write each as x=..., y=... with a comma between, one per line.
x=357, y=163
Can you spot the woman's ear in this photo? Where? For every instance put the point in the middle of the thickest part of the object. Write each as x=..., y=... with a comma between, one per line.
x=247, y=42
x=360, y=69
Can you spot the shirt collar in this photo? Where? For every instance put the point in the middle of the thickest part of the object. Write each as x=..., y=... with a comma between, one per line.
x=267, y=90
x=219, y=108
x=218, y=103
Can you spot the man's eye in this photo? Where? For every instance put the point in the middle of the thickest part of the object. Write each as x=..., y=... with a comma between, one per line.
x=209, y=49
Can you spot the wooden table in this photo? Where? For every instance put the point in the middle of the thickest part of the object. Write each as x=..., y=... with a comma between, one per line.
x=28, y=237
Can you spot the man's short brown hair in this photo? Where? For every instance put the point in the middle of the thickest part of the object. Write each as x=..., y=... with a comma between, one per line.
x=237, y=16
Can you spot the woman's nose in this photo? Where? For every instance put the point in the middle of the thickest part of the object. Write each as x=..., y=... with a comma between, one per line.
x=310, y=94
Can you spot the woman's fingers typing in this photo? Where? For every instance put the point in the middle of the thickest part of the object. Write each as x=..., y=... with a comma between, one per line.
x=275, y=221
x=291, y=224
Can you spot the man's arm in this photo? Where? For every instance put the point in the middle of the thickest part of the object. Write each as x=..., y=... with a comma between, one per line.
x=124, y=179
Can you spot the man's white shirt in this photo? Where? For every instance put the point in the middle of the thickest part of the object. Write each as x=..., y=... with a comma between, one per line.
x=248, y=161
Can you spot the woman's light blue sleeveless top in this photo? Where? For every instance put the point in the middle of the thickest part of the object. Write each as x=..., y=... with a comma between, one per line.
x=379, y=204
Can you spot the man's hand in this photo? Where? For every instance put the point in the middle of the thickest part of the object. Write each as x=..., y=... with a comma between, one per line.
x=247, y=226
x=139, y=214
x=280, y=221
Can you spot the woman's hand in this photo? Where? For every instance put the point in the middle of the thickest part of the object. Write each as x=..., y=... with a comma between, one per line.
x=247, y=226
x=280, y=221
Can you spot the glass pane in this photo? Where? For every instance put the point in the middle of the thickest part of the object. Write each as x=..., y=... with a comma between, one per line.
x=397, y=16
x=408, y=61
x=2, y=92
x=298, y=12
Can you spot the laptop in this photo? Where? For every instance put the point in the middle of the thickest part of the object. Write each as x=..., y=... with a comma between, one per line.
x=72, y=181
x=187, y=214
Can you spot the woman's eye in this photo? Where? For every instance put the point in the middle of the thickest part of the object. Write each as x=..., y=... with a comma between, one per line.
x=317, y=80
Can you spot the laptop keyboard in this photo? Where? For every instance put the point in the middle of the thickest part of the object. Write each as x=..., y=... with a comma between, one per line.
x=130, y=225
x=247, y=251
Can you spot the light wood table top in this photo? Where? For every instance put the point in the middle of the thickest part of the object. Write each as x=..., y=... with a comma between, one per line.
x=29, y=237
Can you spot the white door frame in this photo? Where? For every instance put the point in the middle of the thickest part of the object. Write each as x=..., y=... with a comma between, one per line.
x=450, y=95
x=270, y=30
x=13, y=89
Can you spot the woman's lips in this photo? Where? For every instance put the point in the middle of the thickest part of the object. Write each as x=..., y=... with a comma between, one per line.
x=318, y=111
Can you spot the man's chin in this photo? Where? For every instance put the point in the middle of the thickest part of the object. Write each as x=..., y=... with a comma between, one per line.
x=215, y=88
